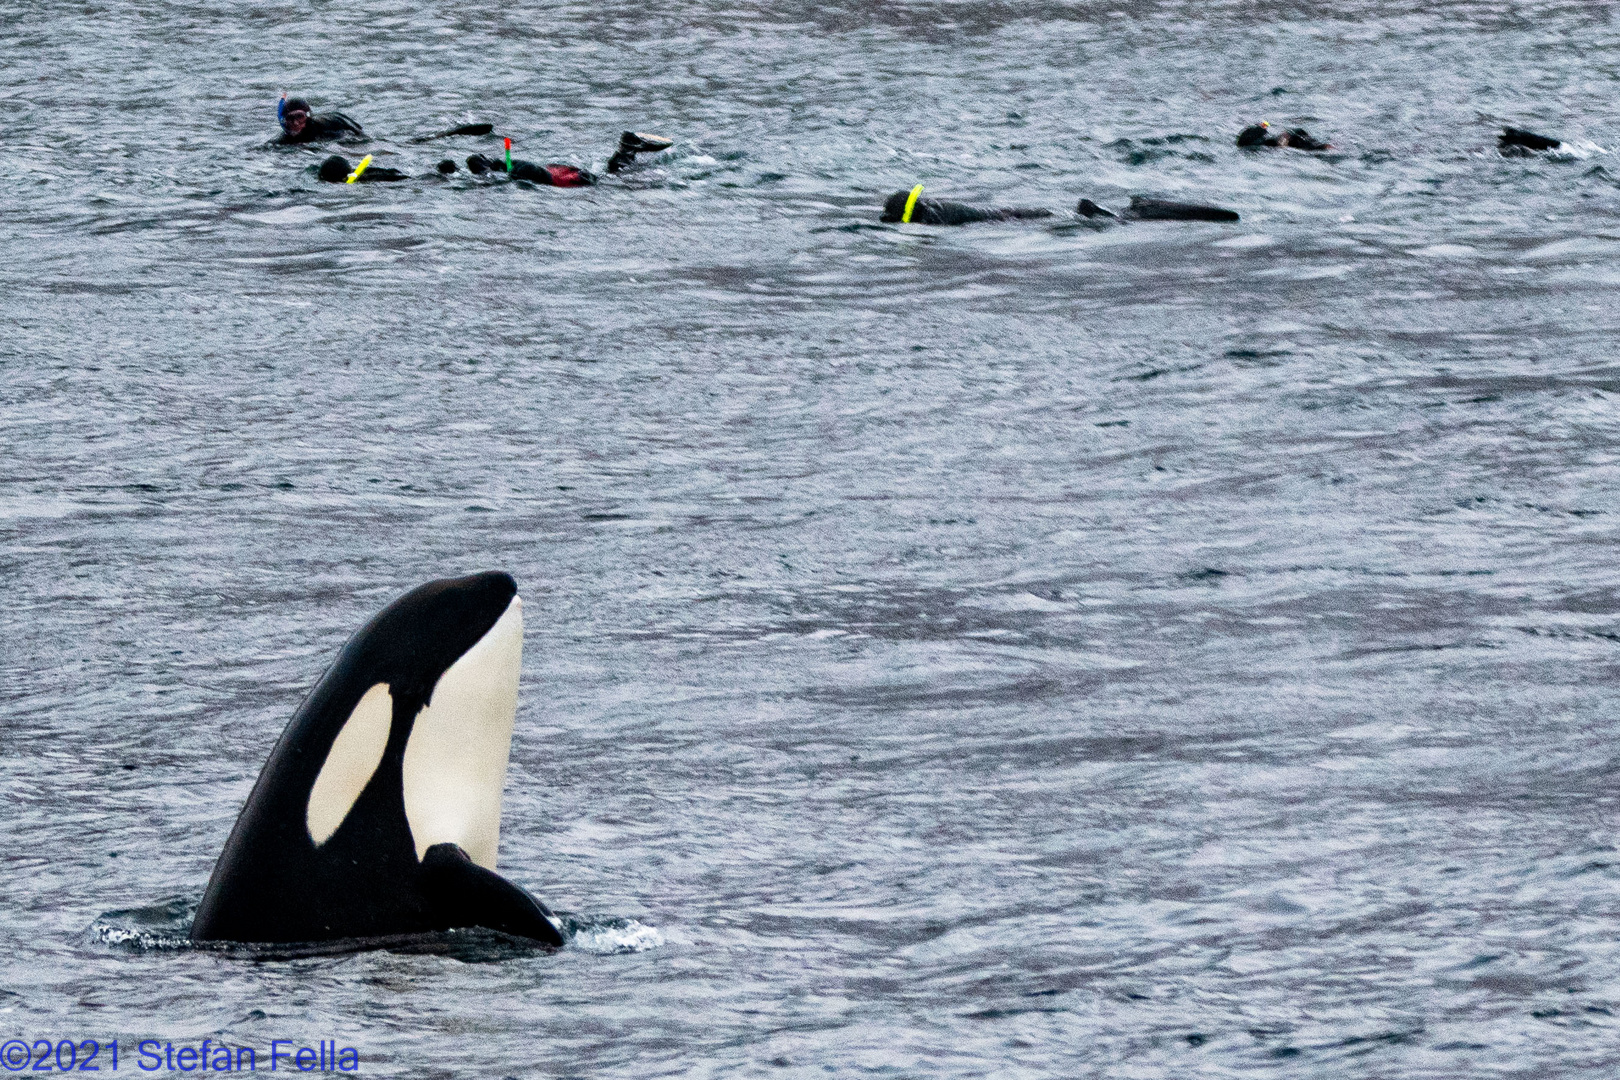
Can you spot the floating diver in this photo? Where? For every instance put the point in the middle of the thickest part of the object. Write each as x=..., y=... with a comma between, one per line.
x=1258, y=136
x=553, y=175
x=336, y=170
x=631, y=143
x=1517, y=142
x=909, y=207
x=299, y=124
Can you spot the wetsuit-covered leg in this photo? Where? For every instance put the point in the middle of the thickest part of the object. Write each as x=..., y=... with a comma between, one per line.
x=1145, y=208
x=632, y=143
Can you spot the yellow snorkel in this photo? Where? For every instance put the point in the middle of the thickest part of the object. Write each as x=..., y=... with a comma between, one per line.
x=911, y=204
x=360, y=168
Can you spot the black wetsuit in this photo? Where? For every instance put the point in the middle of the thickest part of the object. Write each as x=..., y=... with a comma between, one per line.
x=940, y=212
x=553, y=175
x=336, y=170
x=1142, y=208
x=632, y=143
x=300, y=125
x=1257, y=136
x=1146, y=208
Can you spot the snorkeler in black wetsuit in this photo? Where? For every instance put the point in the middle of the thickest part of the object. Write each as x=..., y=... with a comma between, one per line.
x=336, y=169
x=631, y=143
x=1259, y=136
x=1142, y=208
x=553, y=175
x=299, y=124
x=941, y=212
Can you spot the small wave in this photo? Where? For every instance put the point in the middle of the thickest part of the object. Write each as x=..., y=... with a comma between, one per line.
x=1578, y=150
x=606, y=935
x=163, y=925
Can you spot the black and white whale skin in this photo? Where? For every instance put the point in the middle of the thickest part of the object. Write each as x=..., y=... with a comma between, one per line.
x=379, y=811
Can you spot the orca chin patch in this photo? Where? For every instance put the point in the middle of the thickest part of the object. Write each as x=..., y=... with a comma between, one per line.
x=455, y=761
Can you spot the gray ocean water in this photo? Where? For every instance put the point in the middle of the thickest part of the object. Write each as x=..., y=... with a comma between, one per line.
x=1014, y=651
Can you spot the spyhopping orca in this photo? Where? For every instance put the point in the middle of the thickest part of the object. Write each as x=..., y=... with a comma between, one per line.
x=379, y=810
x=1145, y=208
x=1517, y=142
x=1256, y=136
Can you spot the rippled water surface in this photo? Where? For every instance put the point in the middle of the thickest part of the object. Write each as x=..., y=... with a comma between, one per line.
x=1022, y=650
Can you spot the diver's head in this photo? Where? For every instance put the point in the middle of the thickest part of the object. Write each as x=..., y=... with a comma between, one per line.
x=294, y=115
x=1255, y=134
x=334, y=170
x=894, y=207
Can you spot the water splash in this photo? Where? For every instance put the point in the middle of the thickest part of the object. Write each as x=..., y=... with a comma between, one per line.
x=607, y=935
x=163, y=925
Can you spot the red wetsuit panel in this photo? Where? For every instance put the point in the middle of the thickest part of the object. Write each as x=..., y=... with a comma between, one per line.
x=569, y=176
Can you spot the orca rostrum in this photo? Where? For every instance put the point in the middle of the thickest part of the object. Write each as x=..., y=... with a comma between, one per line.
x=378, y=813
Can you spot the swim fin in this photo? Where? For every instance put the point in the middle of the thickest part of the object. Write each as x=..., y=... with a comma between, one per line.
x=632, y=143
